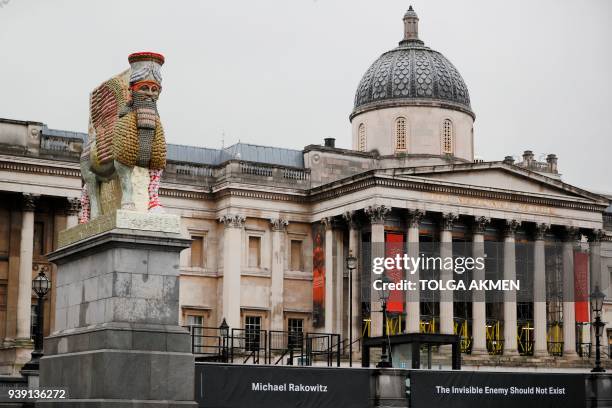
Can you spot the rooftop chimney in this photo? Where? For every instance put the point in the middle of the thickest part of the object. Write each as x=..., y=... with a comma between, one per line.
x=527, y=157
x=509, y=160
x=330, y=142
x=552, y=159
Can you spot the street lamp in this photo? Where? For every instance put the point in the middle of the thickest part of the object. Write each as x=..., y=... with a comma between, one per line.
x=351, y=265
x=41, y=286
x=383, y=295
x=224, y=332
x=597, y=298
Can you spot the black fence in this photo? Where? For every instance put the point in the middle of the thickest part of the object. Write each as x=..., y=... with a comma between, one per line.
x=248, y=346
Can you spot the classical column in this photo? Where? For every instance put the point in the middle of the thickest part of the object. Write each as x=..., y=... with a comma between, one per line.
x=571, y=238
x=446, y=274
x=72, y=211
x=479, y=309
x=510, y=327
x=232, y=250
x=339, y=267
x=329, y=274
x=595, y=259
x=539, y=290
x=24, y=294
x=279, y=229
x=354, y=302
x=595, y=280
x=413, y=306
x=377, y=214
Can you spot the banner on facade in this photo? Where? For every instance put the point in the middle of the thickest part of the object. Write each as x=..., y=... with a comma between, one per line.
x=394, y=245
x=238, y=386
x=445, y=389
x=318, y=275
x=581, y=286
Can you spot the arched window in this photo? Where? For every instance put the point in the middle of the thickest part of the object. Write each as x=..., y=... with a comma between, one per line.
x=447, y=137
x=400, y=134
x=362, y=143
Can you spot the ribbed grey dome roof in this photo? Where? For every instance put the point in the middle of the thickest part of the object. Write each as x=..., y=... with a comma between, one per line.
x=411, y=74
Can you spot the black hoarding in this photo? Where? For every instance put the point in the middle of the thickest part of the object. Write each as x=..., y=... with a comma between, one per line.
x=443, y=389
x=238, y=386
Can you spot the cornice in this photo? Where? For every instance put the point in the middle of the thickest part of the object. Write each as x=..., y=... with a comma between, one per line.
x=371, y=179
x=335, y=189
x=28, y=167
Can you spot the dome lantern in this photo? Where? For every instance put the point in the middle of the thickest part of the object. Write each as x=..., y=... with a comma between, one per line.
x=411, y=27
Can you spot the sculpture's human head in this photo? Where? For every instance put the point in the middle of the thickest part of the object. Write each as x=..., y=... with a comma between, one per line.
x=145, y=75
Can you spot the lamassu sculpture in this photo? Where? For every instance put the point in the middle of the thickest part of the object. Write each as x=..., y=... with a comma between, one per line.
x=125, y=155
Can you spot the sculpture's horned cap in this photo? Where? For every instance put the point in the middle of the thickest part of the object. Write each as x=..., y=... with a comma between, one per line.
x=145, y=66
x=146, y=56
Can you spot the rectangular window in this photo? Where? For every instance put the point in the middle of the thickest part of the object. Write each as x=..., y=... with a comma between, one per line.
x=610, y=343
x=295, y=327
x=296, y=255
x=34, y=319
x=254, y=252
x=252, y=329
x=196, y=323
x=197, y=251
x=3, y=295
x=39, y=238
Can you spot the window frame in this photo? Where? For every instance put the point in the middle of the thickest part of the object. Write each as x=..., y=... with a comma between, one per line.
x=447, y=138
x=396, y=134
x=362, y=138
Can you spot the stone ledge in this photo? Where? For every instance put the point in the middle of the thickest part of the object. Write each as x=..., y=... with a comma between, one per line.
x=120, y=337
x=121, y=219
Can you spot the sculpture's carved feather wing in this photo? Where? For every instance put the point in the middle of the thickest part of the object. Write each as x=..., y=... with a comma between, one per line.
x=105, y=104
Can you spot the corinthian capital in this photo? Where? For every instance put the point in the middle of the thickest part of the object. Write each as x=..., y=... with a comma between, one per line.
x=233, y=220
x=541, y=230
x=74, y=205
x=30, y=201
x=350, y=217
x=448, y=220
x=377, y=213
x=596, y=235
x=511, y=227
x=480, y=224
x=415, y=217
x=279, y=224
x=571, y=234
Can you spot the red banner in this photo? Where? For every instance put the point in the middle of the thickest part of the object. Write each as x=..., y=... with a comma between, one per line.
x=394, y=244
x=318, y=275
x=581, y=286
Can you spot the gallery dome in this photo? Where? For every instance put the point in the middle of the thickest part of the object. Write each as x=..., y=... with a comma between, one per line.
x=411, y=75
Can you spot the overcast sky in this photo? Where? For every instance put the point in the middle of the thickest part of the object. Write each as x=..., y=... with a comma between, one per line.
x=284, y=72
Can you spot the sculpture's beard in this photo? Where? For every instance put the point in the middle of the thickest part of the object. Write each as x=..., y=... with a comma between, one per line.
x=146, y=111
x=146, y=120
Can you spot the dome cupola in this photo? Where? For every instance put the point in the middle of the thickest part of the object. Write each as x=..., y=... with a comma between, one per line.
x=412, y=74
x=421, y=88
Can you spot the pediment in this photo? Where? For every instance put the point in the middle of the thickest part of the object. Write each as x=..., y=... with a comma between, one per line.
x=501, y=177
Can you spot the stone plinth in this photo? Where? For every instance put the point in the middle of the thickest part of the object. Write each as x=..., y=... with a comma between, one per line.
x=117, y=342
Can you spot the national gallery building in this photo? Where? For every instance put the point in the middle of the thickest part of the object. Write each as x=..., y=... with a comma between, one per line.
x=271, y=228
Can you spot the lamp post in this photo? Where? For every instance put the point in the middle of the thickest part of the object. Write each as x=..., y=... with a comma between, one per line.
x=351, y=265
x=224, y=332
x=41, y=286
x=383, y=295
x=597, y=298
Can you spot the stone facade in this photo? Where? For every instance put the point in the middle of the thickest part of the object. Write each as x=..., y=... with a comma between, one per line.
x=259, y=217
x=252, y=227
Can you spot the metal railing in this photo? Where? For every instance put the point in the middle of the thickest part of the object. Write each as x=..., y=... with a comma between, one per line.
x=584, y=349
x=323, y=345
x=208, y=343
x=249, y=346
x=555, y=348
